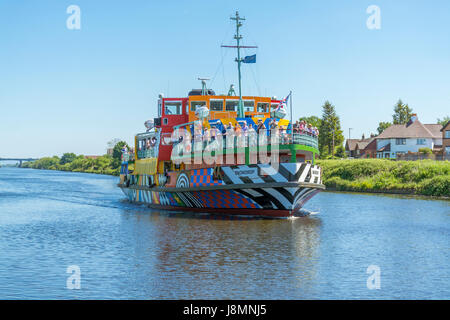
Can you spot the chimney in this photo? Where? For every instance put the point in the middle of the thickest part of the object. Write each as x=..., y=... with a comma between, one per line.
x=363, y=137
x=412, y=119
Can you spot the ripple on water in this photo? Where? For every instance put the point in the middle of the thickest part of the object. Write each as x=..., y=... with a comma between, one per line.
x=50, y=220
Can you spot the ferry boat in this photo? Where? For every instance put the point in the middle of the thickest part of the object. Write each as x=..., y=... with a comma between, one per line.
x=224, y=154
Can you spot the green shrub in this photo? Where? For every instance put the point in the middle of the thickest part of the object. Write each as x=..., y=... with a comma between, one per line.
x=436, y=186
x=427, y=177
x=426, y=150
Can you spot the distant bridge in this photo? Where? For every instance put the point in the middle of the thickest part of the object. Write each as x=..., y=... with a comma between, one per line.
x=18, y=159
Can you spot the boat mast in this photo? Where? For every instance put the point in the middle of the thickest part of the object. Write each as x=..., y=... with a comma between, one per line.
x=237, y=36
x=239, y=60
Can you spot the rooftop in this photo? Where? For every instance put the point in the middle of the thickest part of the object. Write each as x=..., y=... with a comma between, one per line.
x=413, y=129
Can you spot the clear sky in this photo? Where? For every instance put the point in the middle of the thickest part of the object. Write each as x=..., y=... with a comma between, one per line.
x=65, y=90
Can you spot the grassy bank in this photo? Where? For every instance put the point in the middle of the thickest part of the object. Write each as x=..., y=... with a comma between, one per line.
x=101, y=165
x=425, y=177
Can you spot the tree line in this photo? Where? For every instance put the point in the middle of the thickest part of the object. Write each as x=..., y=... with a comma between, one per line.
x=105, y=164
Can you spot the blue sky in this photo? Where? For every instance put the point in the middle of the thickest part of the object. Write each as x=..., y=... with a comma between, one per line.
x=67, y=90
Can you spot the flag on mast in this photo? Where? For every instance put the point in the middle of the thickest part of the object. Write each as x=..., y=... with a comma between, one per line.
x=280, y=111
x=284, y=101
x=250, y=59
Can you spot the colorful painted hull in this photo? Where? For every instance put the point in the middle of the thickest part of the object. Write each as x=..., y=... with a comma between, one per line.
x=247, y=190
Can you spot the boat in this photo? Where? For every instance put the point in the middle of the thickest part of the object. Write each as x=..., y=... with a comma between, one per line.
x=225, y=154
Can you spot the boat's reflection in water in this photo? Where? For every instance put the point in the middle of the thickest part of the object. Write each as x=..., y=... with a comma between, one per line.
x=208, y=256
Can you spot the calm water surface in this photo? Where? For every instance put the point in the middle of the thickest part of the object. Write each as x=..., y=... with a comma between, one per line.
x=50, y=220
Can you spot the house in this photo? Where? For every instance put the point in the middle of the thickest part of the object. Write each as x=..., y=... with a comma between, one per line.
x=410, y=137
x=361, y=148
x=369, y=149
x=446, y=139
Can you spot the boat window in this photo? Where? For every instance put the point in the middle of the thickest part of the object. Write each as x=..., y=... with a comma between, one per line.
x=231, y=105
x=173, y=107
x=197, y=104
x=263, y=107
x=159, y=108
x=249, y=106
x=216, y=105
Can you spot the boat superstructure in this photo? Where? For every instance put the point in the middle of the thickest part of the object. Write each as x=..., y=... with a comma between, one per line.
x=223, y=153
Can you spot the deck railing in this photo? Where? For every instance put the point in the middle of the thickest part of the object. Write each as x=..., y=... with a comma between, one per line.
x=146, y=153
x=253, y=140
x=199, y=143
x=305, y=139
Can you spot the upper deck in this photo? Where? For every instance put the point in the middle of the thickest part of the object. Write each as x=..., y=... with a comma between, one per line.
x=226, y=107
x=174, y=111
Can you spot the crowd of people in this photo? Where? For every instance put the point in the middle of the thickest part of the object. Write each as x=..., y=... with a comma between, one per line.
x=246, y=134
x=244, y=130
x=146, y=147
x=305, y=128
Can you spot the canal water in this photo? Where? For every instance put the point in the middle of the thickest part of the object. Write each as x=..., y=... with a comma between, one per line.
x=354, y=244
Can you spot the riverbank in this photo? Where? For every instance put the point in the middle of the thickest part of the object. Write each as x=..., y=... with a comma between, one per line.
x=100, y=165
x=423, y=177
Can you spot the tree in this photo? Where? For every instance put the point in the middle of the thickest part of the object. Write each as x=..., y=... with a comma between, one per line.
x=340, y=152
x=383, y=126
x=330, y=130
x=402, y=113
x=67, y=158
x=312, y=120
x=443, y=121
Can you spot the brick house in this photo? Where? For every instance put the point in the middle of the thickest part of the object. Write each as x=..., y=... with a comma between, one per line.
x=369, y=149
x=446, y=139
x=361, y=148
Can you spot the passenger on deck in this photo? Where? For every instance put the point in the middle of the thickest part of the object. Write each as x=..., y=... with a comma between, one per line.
x=237, y=132
x=273, y=126
x=244, y=128
x=198, y=132
x=261, y=127
x=302, y=126
x=315, y=132
x=230, y=129
x=237, y=129
x=284, y=136
x=296, y=126
x=214, y=132
x=206, y=136
x=252, y=136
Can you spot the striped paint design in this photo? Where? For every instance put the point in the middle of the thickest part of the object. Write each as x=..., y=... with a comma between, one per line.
x=204, y=177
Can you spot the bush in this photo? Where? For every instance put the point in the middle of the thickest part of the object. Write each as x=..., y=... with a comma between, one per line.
x=425, y=150
x=425, y=177
x=436, y=186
